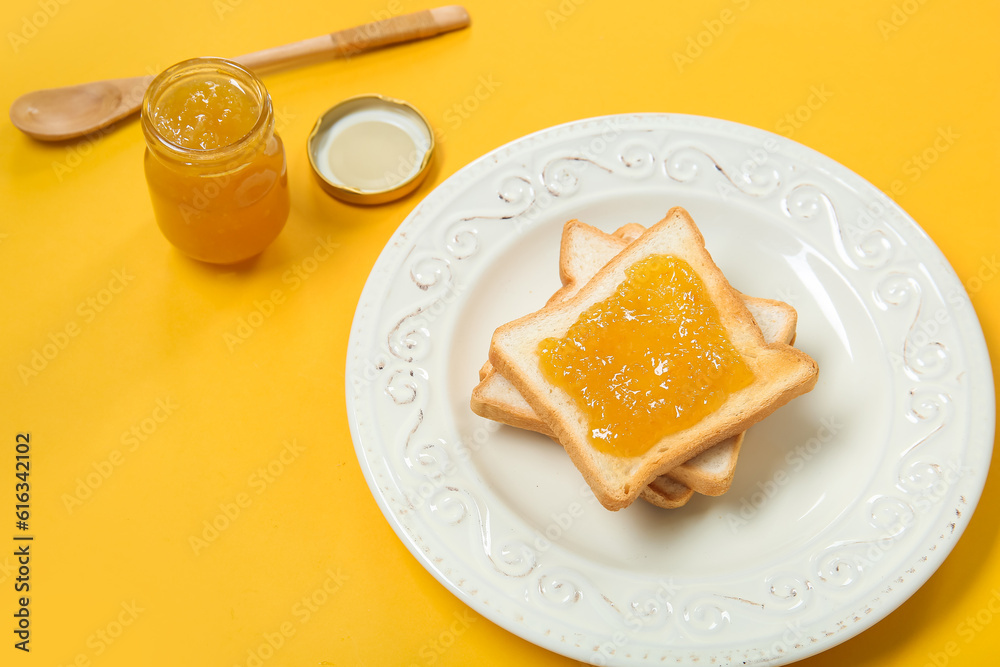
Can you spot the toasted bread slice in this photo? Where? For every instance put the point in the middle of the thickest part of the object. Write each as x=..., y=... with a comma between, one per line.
x=667, y=493
x=585, y=249
x=582, y=247
x=629, y=232
x=779, y=372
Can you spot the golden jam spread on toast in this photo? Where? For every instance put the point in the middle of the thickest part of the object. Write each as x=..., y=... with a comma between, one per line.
x=650, y=360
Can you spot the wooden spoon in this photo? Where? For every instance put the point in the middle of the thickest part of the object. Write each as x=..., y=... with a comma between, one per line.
x=74, y=111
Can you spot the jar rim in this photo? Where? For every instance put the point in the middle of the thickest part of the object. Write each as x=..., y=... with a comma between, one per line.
x=190, y=68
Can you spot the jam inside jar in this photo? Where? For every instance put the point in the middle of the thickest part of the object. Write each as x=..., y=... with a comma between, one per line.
x=214, y=165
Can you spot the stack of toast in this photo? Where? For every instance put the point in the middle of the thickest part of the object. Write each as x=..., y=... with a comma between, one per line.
x=701, y=457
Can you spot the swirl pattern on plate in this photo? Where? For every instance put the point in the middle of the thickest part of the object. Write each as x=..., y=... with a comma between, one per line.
x=419, y=451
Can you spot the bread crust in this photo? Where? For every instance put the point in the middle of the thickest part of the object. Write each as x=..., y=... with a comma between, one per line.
x=780, y=372
x=667, y=493
x=711, y=472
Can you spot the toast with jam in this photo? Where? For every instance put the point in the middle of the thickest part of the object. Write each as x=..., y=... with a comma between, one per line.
x=584, y=250
x=652, y=362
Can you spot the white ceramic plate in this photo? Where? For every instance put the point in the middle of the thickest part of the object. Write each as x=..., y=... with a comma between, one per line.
x=845, y=501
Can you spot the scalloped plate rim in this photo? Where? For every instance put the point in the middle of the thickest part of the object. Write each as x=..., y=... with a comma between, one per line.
x=976, y=347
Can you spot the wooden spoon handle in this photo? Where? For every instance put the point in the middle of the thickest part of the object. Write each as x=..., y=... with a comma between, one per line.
x=64, y=113
x=417, y=25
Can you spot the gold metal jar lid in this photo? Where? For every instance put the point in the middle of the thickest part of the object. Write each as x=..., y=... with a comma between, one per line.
x=371, y=149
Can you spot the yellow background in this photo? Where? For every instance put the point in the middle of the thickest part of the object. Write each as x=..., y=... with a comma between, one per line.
x=882, y=78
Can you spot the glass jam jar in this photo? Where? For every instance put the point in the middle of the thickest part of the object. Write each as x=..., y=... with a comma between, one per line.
x=214, y=165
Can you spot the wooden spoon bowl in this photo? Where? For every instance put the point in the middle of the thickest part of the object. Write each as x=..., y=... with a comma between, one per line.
x=54, y=114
